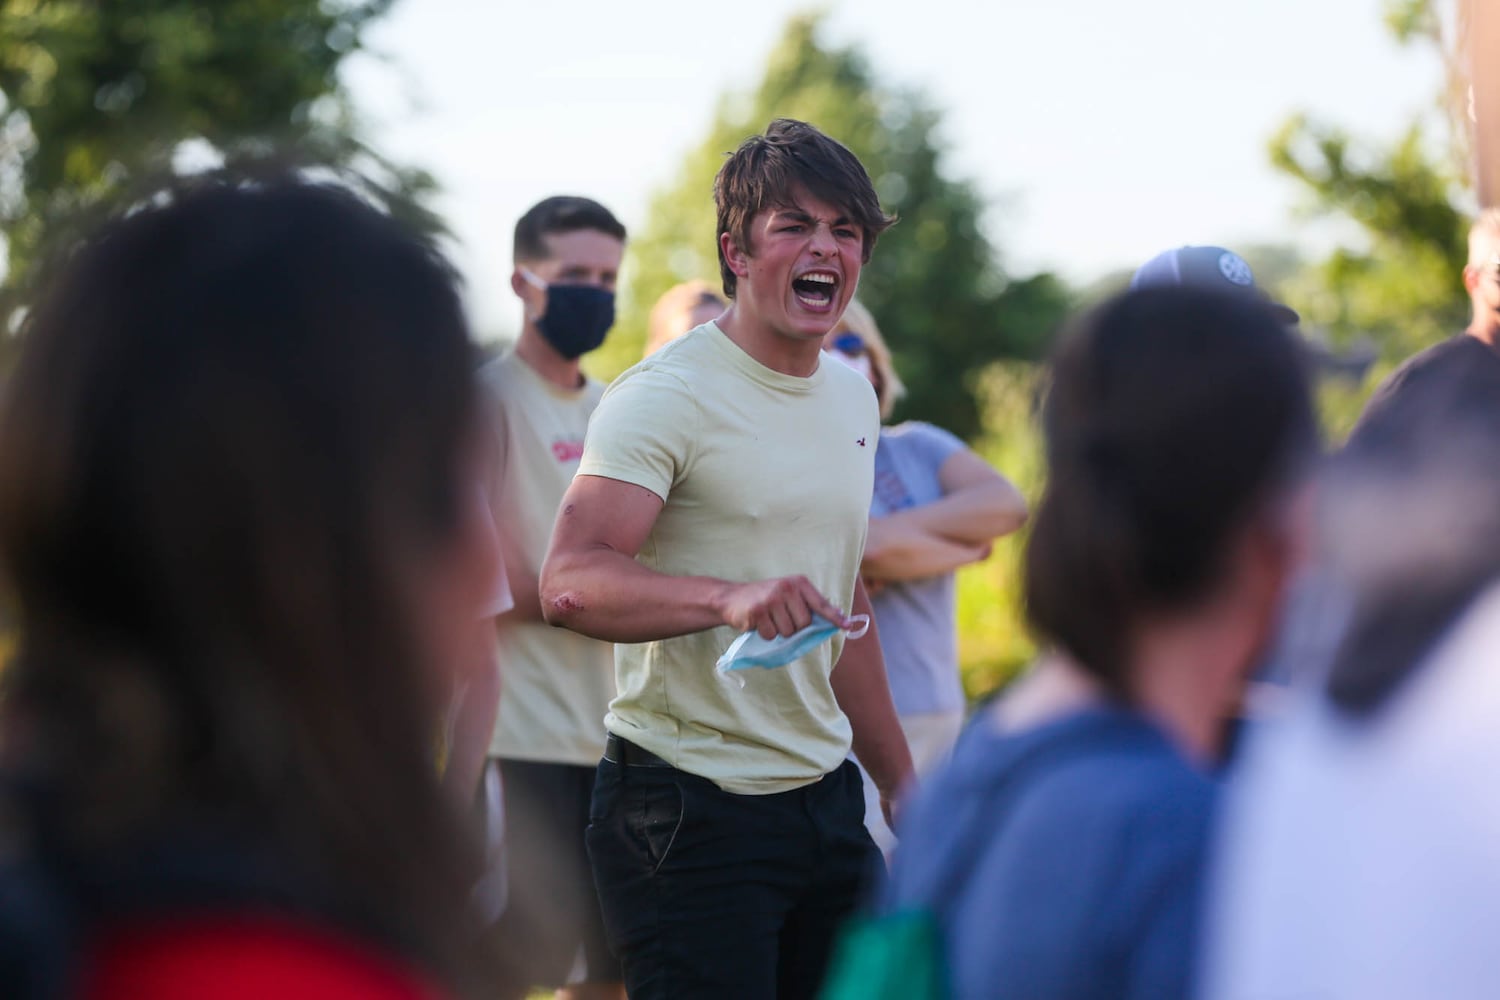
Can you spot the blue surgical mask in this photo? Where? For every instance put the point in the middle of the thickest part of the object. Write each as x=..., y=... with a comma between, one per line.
x=577, y=316
x=751, y=650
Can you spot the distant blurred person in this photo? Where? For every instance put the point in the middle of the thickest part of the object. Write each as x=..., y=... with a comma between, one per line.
x=1358, y=854
x=936, y=506
x=1311, y=620
x=550, y=732
x=680, y=309
x=238, y=515
x=1060, y=850
x=1458, y=379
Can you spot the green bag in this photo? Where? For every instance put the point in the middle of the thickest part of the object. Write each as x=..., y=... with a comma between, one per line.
x=896, y=956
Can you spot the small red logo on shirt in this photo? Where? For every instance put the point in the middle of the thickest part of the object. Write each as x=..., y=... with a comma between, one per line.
x=861, y=442
x=567, y=451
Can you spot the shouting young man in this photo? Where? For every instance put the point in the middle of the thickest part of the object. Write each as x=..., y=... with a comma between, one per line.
x=725, y=487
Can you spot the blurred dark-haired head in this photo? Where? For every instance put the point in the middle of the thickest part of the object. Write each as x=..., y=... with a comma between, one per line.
x=236, y=463
x=1177, y=420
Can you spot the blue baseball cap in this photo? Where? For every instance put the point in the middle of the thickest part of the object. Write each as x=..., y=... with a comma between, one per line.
x=1206, y=267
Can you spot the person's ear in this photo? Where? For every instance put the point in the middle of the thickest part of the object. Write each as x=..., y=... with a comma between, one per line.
x=737, y=259
x=1472, y=277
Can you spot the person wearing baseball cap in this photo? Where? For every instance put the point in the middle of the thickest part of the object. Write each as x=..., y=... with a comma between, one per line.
x=1217, y=268
x=1206, y=267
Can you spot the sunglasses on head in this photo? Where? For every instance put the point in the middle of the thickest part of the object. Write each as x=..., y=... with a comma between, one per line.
x=851, y=344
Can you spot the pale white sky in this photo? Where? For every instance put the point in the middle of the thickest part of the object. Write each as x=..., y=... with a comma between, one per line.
x=1101, y=131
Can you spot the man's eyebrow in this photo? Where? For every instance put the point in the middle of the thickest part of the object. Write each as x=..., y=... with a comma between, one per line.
x=793, y=212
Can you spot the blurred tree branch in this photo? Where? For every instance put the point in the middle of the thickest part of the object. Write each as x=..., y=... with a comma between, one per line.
x=97, y=98
x=1398, y=284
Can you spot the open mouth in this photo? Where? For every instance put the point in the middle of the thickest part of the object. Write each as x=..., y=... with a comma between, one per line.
x=816, y=289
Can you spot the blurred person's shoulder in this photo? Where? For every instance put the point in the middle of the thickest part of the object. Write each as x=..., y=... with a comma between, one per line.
x=1457, y=379
x=1075, y=791
x=1459, y=358
x=1448, y=357
x=1078, y=767
x=921, y=436
x=505, y=377
x=500, y=369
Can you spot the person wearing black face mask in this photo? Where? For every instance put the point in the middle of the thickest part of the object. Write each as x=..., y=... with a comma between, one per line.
x=575, y=317
x=548, y=737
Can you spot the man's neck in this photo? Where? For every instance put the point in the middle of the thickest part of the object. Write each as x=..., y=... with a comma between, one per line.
x=1486, y=330
x=1187, y=677
x=779, y=353
x=543, y=358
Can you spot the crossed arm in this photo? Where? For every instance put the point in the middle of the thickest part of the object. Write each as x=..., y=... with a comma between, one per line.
x=978, y=506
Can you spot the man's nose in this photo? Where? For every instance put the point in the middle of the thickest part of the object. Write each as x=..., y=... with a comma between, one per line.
x=821, y=240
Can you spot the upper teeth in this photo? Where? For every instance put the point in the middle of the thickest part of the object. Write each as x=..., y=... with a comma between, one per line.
x=827, y=278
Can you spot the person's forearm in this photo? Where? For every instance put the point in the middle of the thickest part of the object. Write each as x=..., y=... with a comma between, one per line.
x=913, y=554
x=975, y=516
x=607, y=595
x=863, y=693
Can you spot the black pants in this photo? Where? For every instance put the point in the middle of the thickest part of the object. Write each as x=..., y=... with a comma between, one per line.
x=710, y=894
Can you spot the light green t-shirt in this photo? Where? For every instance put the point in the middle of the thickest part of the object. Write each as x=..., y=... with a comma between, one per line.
x=762, y=475
x=557, y=684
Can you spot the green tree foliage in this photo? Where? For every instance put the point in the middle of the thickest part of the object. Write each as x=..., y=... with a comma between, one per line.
x=98, y=98
x=1400, y=286
x=935, y=285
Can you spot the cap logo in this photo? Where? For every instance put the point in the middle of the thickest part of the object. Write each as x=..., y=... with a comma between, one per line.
x=1233, y=267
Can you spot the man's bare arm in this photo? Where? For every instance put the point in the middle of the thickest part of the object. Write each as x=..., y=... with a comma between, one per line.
x=592, y=584
x=863, y=692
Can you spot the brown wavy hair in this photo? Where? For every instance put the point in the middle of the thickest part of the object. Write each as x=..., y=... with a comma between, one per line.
x=762, y=173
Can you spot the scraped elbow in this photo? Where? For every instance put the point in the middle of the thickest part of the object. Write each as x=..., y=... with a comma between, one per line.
x=562, y=608
x=561, y=603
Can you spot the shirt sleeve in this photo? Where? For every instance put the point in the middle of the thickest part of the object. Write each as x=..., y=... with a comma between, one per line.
x=644, y=432
x=933, y=444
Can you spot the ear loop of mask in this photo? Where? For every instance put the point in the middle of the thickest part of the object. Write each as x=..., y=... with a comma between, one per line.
x=861, y=625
